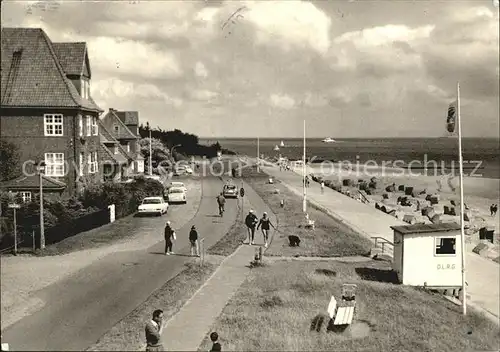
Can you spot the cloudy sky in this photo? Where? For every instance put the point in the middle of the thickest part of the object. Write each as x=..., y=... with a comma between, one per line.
x=350, y=68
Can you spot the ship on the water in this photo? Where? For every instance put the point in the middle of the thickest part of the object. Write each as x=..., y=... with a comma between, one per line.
x=328, y=140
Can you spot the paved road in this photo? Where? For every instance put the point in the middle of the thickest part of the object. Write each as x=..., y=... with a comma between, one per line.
x=81, y=308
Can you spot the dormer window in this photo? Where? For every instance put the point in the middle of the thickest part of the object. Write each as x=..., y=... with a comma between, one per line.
x=116, y=128
x=85, y=88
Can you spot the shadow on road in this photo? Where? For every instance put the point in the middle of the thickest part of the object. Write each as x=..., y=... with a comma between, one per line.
x=162, y=253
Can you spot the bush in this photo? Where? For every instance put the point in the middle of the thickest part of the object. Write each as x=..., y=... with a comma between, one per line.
x=126, y=198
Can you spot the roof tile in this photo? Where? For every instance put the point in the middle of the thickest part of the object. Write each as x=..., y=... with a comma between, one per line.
x=39, y=79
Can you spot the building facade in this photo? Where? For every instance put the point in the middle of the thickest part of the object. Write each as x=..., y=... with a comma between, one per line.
x=124, y=127
x=47, y=109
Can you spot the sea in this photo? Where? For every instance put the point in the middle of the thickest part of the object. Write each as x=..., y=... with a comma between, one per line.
x=480, y=155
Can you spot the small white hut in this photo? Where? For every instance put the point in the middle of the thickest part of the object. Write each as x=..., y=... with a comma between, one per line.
x=428, y=255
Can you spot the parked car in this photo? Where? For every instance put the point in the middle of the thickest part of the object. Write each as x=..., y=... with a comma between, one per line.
x=230, y=191
x=177, y=184
x=188, y=170
x=153, y=177
x=153, y=205
x=177, y=195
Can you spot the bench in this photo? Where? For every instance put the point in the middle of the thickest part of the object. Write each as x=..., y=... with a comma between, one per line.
x=343, y=313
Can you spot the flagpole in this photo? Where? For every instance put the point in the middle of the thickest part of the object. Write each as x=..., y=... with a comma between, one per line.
x=304, y=201
x=150, y=155
x=462, y=205
x=258, y=154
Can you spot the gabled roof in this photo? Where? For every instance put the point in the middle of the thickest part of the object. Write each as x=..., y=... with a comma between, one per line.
x=32, y=182
x=32, y=74
x=108, y=155
x=123, y=132
x=71, y=56
x=128, y=117
x=104, y=134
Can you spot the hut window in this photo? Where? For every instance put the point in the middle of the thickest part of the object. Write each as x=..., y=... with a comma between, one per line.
x=445, y=246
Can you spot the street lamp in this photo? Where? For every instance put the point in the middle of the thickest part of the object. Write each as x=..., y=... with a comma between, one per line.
x=41, y=169
x=172, y=149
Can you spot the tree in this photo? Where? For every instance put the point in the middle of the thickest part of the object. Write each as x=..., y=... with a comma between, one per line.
x=160, y=152
x=9, y=155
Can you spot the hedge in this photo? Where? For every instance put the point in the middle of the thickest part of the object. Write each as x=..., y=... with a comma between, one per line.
x=68, y=213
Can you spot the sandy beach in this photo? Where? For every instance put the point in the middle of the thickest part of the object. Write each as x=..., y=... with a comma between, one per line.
x=479, y=194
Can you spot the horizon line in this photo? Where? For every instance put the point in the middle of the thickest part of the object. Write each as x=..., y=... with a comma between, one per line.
x=344, y=138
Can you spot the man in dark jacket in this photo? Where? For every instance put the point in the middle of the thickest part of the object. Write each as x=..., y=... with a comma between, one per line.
x=221, y=200
x=251, y=222
x=193, y=239
x=169, y=238
x=154, y=328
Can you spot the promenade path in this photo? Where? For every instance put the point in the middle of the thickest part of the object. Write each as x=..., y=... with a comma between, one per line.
x=482, y=275
x=186, y=330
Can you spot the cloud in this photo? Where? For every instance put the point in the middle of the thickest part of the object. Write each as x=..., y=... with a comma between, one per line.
x=290, y=24
x=202, y=94
x=282, y=101
x=147, y=61
x=384, y=35
x=355, y=66
x=200, y=70
x=379, y=51
x=116, y=88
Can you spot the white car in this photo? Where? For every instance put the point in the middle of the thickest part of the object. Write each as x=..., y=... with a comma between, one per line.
x=188, y=170
x=153, y=177
x=177, y=195
x=176, y=184
x=153, y=205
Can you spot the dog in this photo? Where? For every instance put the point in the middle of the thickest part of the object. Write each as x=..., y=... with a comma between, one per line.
x=294, y=241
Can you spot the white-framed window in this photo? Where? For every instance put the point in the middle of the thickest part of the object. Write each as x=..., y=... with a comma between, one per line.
x=95, y=126
x=53, y=124
x=54, y=164
x=88, y=126
x=25, y=196
x=85, y=89
x=445, y=246
x=80, y=125
x=93, y=162
x=81, y=163
x=128, y=147
x=116, y=128
x=96, y=162
x=115, y=149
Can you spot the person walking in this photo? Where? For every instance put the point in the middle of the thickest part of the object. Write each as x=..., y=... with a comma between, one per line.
x=265, y=224
x=251, y=221
x=193, y=239
x=221, y=201
x=154, y=329
x=322, y=187
x=169, y=238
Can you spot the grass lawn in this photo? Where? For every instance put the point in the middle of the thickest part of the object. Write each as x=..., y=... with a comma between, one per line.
x=128, y=334
x=273, y=311
x=329, y=239
x=231, y=240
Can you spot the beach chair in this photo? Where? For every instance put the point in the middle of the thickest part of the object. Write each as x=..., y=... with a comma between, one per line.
x=343, y=311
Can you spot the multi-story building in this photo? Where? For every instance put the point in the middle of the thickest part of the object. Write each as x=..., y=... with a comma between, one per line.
x=124, y=127
x=47, y=109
